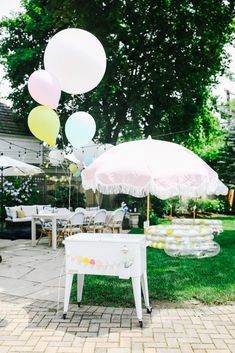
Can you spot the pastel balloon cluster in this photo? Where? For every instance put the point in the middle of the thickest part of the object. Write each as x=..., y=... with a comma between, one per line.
x=56, y=157
x=80, y=129
x=43, y=121
x=77, y=59
x=74, y=170
x=88, y=153
x=75, y=62
x=44, y=88
x=44, y=124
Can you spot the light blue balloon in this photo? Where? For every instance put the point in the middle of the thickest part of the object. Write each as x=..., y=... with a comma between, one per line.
x=80, y=129
x=77, y=174
x=88, y=160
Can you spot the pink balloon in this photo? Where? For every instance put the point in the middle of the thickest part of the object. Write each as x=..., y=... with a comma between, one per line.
x=44, y=88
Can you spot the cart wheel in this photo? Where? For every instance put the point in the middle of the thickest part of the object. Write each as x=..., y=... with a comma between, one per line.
x=141, y=323
x=79, y=304
x=64, y=316
x=149, y=310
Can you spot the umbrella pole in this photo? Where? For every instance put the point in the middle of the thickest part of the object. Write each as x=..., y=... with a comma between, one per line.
x=148, y=206
x=70, y=180
x=146, y=223
x=194, y=214
x=170, y=212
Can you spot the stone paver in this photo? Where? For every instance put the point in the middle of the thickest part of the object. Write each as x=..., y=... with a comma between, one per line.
x=31, y=272
x=31, y=323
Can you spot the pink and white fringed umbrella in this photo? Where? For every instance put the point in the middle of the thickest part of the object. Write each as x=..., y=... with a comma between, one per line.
x=161, y=168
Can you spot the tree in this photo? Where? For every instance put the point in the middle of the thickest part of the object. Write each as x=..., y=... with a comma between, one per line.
x=162, y=58
x=226, y=154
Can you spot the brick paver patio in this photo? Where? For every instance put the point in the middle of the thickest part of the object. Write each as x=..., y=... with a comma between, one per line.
x=31, y=320
x=28, y=325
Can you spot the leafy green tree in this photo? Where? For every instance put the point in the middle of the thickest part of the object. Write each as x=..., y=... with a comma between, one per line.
x=162, y=58
x=226, y=157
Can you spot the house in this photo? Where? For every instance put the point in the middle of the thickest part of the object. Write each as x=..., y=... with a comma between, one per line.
x=16, y=141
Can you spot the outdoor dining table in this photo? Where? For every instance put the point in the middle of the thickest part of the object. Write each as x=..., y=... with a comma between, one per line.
x=53, y=217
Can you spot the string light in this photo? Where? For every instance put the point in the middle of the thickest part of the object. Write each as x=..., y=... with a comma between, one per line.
x=21, y=147
x=39, y=154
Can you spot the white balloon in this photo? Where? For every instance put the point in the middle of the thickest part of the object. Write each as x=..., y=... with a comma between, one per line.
x=91, y=150
x=56, y=157
x=78, y=153
x=85, y=151
x=77, y=59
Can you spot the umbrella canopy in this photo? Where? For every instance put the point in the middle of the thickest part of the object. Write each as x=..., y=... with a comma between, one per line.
x=162, y=168
x=13, y=167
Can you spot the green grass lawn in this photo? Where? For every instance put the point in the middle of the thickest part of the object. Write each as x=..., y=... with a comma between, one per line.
x=210, y=280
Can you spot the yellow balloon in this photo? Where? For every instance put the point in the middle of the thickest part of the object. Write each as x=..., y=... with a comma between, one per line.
x=73, y=168
x=44, y=124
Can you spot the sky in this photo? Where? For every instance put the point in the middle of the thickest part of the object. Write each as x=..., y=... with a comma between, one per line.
x=9, y=6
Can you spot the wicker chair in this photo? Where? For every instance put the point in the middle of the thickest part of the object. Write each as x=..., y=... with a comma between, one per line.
x=115, y=220
x=46, y=230
x=97, y=222
x=74, y=224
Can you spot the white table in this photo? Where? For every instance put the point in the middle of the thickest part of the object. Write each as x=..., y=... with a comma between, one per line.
x=53, y=217
x=107, y=254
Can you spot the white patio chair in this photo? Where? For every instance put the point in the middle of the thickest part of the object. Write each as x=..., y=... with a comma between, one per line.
x=115, y=220
x=79, y=209
x=74, y=224
x=97, y=222
x=63, y=210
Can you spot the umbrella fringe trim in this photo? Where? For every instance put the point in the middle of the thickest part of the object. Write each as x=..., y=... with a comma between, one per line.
x=206, y=188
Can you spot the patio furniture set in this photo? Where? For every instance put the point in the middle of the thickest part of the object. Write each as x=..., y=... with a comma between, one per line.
x=62, y=223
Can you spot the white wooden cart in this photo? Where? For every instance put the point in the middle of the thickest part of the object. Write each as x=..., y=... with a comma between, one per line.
x=119, y=255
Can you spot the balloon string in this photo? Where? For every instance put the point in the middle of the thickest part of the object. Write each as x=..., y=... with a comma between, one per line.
x=73, y=103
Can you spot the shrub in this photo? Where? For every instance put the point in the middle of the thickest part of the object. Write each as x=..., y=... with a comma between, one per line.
x=211, y=205
x=19, y=191
x=153, y=219
x=203, y=205
x=160, y=207
x=180, y=206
